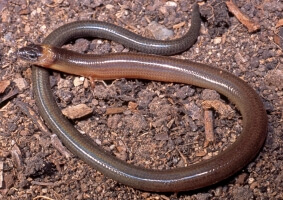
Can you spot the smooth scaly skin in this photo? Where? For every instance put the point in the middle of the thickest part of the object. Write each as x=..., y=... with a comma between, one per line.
x=159, y=68
x=97, y=29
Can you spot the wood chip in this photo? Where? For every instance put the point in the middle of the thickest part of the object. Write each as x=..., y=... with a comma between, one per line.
x=208, y=127
x=115, y=110
x=78, y=111
x=278, y=38
x=223, y=109
x=132, y=106
x=17, y=157
x=10, y=95
x=1, y=174
x=161, y=137
x=279, y=23
x=122, y=151
x=3, y=85
x=9, y=180
x=251, y=25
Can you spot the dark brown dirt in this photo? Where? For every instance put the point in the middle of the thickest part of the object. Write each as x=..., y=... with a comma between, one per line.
x=162, y=124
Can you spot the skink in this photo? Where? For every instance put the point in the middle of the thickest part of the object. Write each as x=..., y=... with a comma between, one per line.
x=151, y=67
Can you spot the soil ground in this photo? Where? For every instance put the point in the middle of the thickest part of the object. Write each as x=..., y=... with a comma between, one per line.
x=159, y=125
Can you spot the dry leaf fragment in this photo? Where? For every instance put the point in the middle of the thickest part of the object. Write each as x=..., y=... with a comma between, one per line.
x=78, y=111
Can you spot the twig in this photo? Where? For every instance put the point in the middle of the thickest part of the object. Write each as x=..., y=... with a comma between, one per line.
x=31, y=114
x=42, y=197
x=10, y=95
x=208, y=127
x=242, y=17
x=46, y=183
x=1, y=174
x=59, y=146
x=54, y=139
x=182, y=156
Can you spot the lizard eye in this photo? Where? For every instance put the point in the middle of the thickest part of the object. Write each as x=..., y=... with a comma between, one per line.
x=32, y=55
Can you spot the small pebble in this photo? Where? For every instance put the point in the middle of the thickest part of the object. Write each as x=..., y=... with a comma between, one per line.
x=217, y=40
x=78, y=81
x=159, y=32
x=20, y=83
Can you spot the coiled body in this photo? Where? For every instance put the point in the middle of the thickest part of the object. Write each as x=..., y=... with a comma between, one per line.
x=157, y=68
